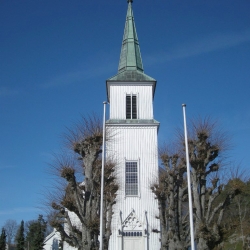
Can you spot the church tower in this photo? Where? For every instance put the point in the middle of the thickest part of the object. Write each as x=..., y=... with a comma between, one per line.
x=134, y=146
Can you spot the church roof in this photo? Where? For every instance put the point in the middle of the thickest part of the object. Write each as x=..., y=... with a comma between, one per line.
x=130, y=65
x=131, y=75
x=130, y=58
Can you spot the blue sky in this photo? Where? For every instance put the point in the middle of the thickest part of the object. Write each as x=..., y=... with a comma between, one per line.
x=56, y=55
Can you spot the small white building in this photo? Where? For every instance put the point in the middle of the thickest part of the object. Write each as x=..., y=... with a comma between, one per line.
x=52, y=241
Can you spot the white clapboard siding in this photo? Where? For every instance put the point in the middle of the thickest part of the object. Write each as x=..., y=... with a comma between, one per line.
x=135, y=143
x=118, y=100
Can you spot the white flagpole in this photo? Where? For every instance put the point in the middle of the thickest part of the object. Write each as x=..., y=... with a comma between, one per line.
x=102, y=175
x=189, y=181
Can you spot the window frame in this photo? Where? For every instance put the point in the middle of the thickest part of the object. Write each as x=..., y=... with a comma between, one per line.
x=131, y=106
x=129, y=186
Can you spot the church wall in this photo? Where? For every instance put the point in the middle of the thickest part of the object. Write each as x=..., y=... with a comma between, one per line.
x=118, y=100
x=135, y=143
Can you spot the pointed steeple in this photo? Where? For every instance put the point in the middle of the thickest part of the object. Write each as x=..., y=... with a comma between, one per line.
x=130, y=58
x=130, y=65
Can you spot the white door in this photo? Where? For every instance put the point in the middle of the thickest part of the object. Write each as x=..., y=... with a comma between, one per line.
x=133, y=243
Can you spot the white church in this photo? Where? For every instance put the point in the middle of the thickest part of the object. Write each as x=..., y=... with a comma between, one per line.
x=134, y=143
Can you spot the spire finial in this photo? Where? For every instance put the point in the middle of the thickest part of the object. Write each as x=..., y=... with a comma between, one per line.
x=130, y=1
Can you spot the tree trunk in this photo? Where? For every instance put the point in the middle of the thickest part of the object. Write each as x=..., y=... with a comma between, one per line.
x=202, y=244
x=175, y=244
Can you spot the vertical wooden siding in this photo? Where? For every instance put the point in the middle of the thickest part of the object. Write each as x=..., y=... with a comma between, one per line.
x=118, y=101
x=137, y=143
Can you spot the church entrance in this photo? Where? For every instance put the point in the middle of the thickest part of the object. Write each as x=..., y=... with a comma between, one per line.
x=133, y=237
x=133, y=241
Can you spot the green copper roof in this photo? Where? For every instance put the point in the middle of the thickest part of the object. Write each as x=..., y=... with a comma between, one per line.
x=131, y=76
x=130, y=58
x=130, y=64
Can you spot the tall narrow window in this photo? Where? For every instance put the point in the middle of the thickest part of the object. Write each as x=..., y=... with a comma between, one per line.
x=128, y=107
x=131, y=185
x=134, y=107
x=131, y=107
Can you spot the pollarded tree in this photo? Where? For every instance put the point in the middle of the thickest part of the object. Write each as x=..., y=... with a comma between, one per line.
x=206, y=145
x=171, y=192
x=81, y=199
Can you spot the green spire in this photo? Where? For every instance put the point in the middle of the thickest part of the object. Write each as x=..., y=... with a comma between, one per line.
x=130, y=58
x=130, y=65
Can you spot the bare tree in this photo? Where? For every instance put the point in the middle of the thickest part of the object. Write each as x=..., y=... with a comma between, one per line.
x=82, y=198
x=206, y=145
x=10, y=227
x=171, y=192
